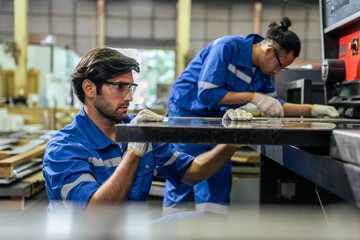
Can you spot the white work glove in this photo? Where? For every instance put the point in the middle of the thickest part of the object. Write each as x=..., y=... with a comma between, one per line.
x=237, y=114
x=139, y=148
x=323, y=110
x=269, y=105
x=237, y=118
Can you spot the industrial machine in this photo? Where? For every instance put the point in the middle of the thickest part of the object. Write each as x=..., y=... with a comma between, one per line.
x=303, y=160
x=340, y=31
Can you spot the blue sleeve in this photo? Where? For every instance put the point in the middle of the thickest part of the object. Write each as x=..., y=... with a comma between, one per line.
x=67, y=173
x=170, y=163
x=212, y=77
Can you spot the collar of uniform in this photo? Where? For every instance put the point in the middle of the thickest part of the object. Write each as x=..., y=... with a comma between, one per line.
x=96, y=137
x=245, y=57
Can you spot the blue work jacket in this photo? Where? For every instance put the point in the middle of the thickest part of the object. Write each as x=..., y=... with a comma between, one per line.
x=80, y=157
x=222, y=66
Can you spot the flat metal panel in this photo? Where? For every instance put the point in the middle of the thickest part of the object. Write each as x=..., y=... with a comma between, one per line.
x=62, y=25
x=272, y=12
x=6, y=23
x=198, y=45
x=298, y=27
x=164, y=29
x=313, y=50
x=116, y=27
x=313, y=30
x=84, y=25
x=39, y=24
x=164, y=10
x=62, y=7
x=141, y=10
x=84, y=44
x=38, y=6
x=198, y=11
x=269, y=131
x=298, y=13
x=140, y=28
x=85, y=7
x=7, y=6
x=241, y=11
x=216, y=29
x=314, y=13
x=217, y=12
x=197, y=30
x=243, y=28
x=117, y=8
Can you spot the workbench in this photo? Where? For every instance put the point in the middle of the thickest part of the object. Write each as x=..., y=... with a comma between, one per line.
x=298, y=155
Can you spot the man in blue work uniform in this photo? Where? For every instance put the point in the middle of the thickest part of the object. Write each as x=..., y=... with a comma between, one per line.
x=83, y=164
x=226, y=74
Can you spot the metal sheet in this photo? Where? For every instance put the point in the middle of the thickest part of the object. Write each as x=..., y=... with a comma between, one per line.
x=302, y=132
x=345, y=145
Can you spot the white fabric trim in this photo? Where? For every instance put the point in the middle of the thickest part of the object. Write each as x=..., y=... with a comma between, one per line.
x=112, y=162
x=170, y=161
x=239, y=74
x=212, y=207
x=67, y=187
x=206, y=85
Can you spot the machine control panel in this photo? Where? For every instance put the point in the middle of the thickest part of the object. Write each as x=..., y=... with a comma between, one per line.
x=349, y=52
x=355, y=46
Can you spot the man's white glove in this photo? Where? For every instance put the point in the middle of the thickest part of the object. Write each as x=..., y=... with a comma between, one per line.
x=237, y=114
x=139, y=148
x=323, y=110
x=269, y=105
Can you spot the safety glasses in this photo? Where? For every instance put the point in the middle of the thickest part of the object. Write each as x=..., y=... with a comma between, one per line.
x=277, y=58
x=122, y=88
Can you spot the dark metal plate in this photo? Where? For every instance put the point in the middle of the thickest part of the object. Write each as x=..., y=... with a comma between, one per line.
x=301, y=132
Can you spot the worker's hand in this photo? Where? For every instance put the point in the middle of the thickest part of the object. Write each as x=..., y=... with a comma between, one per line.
x=139, y=148
x=323, y=110
x=147, y=116
x=269, y=105
x=237, y=114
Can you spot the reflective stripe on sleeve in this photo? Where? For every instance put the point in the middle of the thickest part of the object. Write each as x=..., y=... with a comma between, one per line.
x=206, y=85
x=67, y=188
x=239, y=74
x=212, y=207
x=112, y=162
x=170, y=161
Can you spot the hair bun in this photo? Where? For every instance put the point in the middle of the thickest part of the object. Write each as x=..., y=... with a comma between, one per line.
x=285, y=23
x=273, y=24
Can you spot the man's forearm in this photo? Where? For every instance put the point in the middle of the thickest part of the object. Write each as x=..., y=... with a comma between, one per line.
x=117, y=187
x=236, y=98
x=207, y=164
x=291, y=109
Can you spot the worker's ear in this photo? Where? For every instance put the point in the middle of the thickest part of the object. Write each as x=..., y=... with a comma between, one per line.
x=89, y=88
x=268, y=49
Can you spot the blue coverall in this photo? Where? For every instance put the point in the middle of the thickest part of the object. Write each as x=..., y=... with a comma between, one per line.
x=222, y=66
x=80, y=157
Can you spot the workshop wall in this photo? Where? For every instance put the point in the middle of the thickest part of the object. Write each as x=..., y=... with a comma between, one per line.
x=152, y=24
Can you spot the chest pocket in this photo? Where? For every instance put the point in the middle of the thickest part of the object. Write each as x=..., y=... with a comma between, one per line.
x=237, y=81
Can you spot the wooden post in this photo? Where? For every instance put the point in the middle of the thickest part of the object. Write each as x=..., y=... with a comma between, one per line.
x=182, y=34
x=21, y=39
x=257, y=17
x=101, y=22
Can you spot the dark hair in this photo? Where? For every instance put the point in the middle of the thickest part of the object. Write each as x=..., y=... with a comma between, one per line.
x=98, y=65
x=287, y=39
